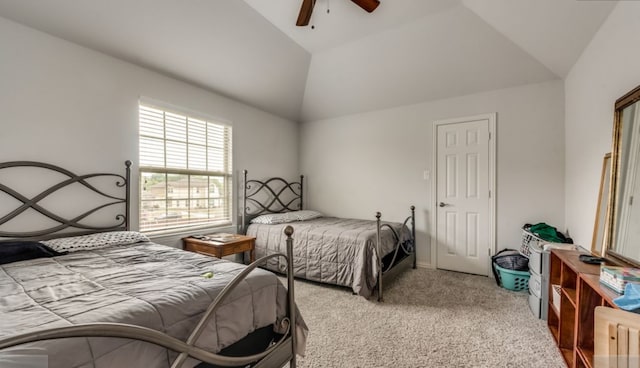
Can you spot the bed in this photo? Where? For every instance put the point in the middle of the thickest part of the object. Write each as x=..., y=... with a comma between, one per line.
x=115, y=299
x=353, y=253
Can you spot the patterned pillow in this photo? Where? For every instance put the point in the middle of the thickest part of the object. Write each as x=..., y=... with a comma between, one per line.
x=95, y=241
x=274, y=218
x=305, y=215
x=281, y=218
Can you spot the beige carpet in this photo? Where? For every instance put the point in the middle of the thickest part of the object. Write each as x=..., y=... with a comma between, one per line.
x=429, y=318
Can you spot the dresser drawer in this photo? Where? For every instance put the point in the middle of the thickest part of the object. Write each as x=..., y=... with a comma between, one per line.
x=535, y=284
x=535, y=304
x=535, y=259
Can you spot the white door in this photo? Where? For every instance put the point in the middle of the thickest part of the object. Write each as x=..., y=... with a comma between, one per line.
x=463, y=204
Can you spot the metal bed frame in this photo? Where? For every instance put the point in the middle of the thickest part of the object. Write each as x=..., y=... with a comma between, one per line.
x=277, y=195
x=276, y=355
x=74, y=225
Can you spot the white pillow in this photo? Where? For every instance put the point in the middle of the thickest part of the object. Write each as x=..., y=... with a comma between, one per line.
x=95, y=241
x=281, y=218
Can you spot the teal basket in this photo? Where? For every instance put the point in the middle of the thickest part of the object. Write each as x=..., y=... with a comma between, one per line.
x=513, y=280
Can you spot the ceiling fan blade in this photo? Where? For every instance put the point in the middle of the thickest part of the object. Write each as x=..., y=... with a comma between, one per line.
x=368, y=5
x=305, y=13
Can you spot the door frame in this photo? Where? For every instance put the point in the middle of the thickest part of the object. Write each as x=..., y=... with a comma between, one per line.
x=491, y=117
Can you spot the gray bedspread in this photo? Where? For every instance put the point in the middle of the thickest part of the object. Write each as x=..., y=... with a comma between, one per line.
x=145, y=284
x=330, y=250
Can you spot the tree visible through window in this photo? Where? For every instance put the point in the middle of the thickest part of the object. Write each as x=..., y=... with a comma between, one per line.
x=185, y=170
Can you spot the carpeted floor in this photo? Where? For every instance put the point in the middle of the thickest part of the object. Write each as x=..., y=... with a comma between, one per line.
x=430, y=318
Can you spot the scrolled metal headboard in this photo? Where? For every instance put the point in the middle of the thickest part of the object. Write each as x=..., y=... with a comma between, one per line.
x=74, y=224
x=271, y=195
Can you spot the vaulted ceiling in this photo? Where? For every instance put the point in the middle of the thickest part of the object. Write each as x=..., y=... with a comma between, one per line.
x=405, y=52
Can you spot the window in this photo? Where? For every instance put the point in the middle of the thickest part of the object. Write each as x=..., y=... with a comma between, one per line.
x=185, y=170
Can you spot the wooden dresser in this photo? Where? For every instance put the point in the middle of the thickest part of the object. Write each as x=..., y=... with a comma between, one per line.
x=572, y=323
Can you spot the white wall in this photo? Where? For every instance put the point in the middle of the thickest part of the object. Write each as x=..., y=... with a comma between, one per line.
x=358, y=164
x=77, y=108
x=608, y=68
x=224, y=46
x=414, y=62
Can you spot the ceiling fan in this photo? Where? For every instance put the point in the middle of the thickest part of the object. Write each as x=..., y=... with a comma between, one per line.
x=307, y=8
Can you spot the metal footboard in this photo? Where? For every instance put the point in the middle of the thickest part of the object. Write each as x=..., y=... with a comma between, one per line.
x=410, y=251
x=278, y=354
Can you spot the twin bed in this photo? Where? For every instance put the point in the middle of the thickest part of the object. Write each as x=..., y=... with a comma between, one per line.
x=357, y=254
x=112, y=298
x=117, y=300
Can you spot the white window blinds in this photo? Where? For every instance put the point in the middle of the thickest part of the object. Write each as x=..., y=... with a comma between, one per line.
x=186, y=170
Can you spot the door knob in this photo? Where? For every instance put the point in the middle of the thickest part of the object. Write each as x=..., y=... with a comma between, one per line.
x=442, y=204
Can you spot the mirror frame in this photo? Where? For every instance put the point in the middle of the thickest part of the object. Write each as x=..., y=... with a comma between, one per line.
x=628, y=99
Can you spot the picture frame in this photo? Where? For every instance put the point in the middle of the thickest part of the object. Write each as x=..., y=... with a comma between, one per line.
x=599, y=229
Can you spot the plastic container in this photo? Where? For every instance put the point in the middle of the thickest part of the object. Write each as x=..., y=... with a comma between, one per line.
x=529, y=240
x=513, y=280
x=535, y=284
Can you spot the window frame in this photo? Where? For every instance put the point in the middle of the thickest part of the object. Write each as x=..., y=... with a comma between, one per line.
x=227, y=176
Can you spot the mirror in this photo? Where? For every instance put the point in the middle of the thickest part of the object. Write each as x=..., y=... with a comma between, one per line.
x=623, y=234
x=599, y=227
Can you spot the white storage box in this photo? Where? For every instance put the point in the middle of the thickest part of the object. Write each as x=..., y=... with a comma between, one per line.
x=535, y=258
x=538, y=252
x=535, y=284
x=535, y=304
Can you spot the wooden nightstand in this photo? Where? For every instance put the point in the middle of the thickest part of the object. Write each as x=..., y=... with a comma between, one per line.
x=206, y=246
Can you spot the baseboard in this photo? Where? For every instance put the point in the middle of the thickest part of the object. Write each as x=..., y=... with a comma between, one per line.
x=425, y=265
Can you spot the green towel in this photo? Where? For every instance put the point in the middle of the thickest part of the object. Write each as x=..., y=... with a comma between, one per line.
x=547, y=232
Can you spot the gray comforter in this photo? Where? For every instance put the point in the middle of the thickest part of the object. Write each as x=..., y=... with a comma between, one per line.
x=330, y=250
x=145, y=284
